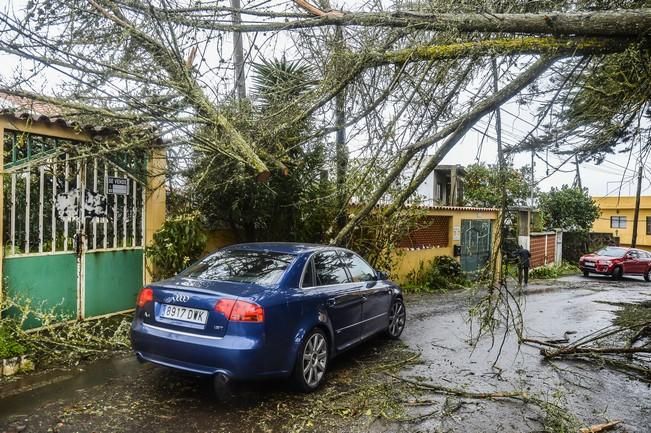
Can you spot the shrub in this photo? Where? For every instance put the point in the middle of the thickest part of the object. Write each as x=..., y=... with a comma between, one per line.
x=9, y=346
x=448, y=267
x=440, y=274
x=179, y=242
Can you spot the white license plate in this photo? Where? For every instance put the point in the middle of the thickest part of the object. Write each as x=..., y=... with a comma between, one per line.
x=589, y=264
x=184, y=313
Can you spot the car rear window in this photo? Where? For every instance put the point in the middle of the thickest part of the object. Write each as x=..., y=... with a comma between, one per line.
x=611, y=252
x=259, y=267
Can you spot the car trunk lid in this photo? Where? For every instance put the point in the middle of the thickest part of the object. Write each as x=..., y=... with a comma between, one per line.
x=189, y=305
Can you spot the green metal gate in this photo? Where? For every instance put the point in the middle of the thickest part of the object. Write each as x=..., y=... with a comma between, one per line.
x=476, y=245
x=70, y=241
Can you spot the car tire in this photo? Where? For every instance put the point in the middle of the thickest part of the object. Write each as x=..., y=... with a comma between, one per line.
x=647, y=275
x=311, y=361
x=397, y=319
x=618, y=272
x=586, y=273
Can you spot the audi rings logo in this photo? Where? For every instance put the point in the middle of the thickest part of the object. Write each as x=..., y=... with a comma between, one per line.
x=180, y=298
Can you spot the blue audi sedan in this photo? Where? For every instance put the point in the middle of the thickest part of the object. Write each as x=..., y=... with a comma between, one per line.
x=262, y=310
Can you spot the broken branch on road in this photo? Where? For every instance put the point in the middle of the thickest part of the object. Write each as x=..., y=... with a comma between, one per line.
x=621, y=346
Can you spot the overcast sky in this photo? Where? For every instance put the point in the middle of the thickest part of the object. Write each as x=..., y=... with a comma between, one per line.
x=608, y=178
x=603, y=179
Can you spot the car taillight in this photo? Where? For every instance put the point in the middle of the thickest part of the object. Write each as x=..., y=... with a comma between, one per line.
x=240, y=311
x=145, y=295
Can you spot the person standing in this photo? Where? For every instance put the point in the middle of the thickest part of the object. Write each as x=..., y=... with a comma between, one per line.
x=523, y=256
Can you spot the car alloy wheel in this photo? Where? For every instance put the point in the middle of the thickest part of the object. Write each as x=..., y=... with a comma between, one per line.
x=312, y=362
x=397, y=318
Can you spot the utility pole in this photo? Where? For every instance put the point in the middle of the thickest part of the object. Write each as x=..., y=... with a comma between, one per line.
x=497, y=264
x=341, y=151
x=532, y=181
x=636, y=215
x=238, y=52
x=577, y=179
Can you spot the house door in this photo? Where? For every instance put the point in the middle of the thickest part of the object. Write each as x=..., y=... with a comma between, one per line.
x=73, y=229
x=476, y=245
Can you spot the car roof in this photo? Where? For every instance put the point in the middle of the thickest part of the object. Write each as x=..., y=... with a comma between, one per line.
x=281, y=247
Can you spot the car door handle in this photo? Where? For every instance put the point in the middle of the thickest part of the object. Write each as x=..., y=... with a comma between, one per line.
x=332, y=302
x=364, y=299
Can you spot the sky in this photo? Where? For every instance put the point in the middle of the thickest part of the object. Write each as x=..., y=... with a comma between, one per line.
x=605, y=179
x=611, y=178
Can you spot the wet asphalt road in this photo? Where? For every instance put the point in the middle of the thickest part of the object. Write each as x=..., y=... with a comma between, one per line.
x=121, y=395
x=592, y=392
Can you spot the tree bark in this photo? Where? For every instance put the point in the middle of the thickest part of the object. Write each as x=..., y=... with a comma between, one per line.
x=629, y=23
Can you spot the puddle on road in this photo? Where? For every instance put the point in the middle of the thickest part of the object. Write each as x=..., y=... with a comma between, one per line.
x=27, y=394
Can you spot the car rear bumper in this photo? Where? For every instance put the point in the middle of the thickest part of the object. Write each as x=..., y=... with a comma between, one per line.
x=237, y=357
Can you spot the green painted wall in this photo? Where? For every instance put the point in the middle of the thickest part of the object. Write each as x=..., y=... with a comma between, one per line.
x=113, y=279
x=48, y=280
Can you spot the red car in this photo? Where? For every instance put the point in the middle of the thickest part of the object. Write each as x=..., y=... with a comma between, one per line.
x=617, y=261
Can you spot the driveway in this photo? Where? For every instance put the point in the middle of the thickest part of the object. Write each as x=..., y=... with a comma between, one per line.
x=362, y=392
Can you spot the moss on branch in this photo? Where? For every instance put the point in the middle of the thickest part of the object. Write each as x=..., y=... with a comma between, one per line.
x=503, y=46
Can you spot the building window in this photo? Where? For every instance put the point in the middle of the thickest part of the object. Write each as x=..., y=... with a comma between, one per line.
x=617, y=222
x=648, y=225
x=439, y=191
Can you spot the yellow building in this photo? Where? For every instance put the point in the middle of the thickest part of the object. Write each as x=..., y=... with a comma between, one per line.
x=617, y=215
x=469, y=230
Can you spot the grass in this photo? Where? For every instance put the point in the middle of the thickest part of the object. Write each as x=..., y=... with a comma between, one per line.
x=554, y=271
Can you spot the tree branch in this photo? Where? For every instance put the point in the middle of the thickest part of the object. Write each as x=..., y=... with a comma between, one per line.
x=455, y=130
x=175, y=67
x=627, y=23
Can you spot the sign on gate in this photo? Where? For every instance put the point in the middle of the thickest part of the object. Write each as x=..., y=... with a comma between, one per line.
x=118, y=185
x=94, y=205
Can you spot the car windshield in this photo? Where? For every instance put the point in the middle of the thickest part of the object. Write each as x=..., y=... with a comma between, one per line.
x=259, y=267
x=611, y=252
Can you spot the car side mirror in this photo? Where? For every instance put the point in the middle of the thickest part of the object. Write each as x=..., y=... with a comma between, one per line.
x=381, y=275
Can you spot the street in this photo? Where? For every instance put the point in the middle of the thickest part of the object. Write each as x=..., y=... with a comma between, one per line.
x=362, y=392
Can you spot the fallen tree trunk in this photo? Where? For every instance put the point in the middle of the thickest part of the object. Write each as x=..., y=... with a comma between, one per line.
x=630, y=22
x=548, y=353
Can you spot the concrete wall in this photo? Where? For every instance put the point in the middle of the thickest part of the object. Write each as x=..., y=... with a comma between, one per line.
x=216, y=239
x=624, y=206
x=155, y=201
